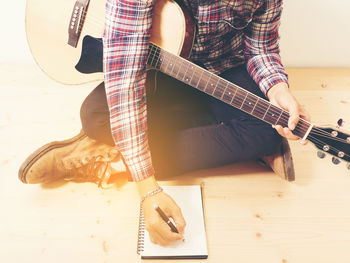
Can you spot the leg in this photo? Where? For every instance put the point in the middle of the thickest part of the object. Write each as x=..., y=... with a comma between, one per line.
x=228, y=135
x=189, y=130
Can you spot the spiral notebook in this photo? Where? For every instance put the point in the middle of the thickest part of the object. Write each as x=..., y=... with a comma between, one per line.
x=189, y=199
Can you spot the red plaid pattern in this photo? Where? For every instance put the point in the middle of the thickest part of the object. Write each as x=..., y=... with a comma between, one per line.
x=230, y=33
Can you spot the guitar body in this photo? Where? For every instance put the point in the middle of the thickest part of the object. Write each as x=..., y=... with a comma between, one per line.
x=47, y=26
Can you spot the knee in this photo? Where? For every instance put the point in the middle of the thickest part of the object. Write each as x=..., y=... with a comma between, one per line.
x=94, y=116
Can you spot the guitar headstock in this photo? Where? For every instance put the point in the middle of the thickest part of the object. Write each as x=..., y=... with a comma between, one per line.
x=331, y=141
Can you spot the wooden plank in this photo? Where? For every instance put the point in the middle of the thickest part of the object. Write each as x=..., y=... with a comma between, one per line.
x=251, y=214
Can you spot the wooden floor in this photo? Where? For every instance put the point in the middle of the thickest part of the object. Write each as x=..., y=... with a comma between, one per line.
x=251, y=215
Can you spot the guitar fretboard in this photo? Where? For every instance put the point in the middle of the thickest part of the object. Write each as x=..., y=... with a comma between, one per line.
x=220, y=88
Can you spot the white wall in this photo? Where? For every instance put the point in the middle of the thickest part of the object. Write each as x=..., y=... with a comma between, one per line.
x=314, y=33
x=13, y=45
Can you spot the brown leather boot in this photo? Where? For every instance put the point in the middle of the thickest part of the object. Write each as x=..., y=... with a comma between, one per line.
x=281, y=162
x=79, y=159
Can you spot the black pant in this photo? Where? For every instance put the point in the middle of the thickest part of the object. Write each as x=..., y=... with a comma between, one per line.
x=187, y=129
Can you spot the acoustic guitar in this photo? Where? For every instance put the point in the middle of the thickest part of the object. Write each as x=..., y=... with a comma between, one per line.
x=67, y=46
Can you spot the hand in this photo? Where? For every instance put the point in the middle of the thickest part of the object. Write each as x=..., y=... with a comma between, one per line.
x=159, y=231
x=280, y=96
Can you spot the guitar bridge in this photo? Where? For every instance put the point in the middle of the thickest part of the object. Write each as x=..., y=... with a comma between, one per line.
x=76, y=22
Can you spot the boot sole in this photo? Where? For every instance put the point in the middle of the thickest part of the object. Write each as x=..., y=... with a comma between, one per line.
x=36, y=155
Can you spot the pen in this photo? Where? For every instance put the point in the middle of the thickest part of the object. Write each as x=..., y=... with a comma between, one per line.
x=166, y=219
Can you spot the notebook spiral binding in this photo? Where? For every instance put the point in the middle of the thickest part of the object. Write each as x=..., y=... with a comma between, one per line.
x=141, y=233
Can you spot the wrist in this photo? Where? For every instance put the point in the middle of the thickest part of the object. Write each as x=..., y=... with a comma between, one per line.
x=146, y=185
x=274, y=90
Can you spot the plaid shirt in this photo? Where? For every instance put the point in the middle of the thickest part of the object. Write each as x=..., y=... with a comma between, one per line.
x=229, y=33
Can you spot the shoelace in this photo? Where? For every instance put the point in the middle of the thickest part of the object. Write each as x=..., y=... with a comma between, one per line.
x=97, y=170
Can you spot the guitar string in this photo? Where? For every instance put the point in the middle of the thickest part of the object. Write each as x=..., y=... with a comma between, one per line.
x=320, y=144
x=317, y=130
x=256, y=106
x=331, y=137
x=276, y=110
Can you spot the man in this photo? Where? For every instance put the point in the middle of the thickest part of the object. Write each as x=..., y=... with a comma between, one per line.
x=184, y=129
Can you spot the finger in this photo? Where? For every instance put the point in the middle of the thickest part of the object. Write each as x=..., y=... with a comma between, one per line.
x=179, y=220
x=279, y=129
x=160, y=240
x=285, y=132
x=294, y=113
x=159, y=235
x=153, y=240
x=303, y=142
x=289, y=135
x=166, y=234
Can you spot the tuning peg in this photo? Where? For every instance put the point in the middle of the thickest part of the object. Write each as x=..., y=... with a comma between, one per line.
x=335, y=160
x=340, y=123
x=321, y=154
x=348, y=166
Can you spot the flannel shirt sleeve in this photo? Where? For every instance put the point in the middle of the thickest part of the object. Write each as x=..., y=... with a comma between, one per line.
x=262, y=46
x=125, y=48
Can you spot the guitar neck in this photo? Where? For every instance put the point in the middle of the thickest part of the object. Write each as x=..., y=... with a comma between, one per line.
x=215, y=86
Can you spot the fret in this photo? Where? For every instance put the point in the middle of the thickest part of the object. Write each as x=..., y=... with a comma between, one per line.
x=149, y=55
x=260, y=108
x=176, y=68
x=159, y=58
x=249, y=103
x=284, y=121
x=244, y=100
x=228, y=95
x=171, y=65
x=205, y=87
x=199, y=79
x=190, y=74
x=216, y=89
x=224, y=90
x=271, y=115
x=238, y=98
x=182, y=70
x=164, y=62
x=266, y=111
x=203, y=81
x=279, y=117
x=196, y=75
x=153, y=56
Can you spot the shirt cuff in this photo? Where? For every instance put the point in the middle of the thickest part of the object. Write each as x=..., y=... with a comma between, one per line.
x=140, y=169
x=271, y=80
